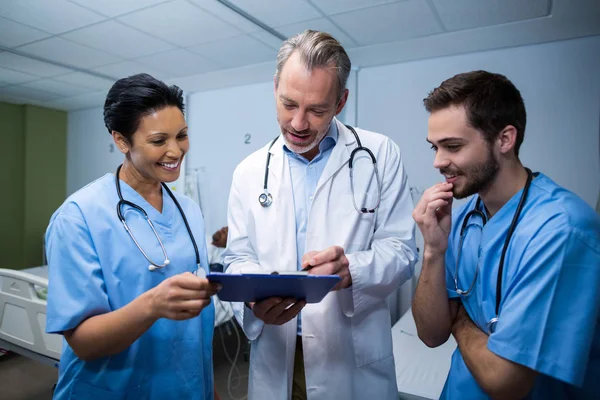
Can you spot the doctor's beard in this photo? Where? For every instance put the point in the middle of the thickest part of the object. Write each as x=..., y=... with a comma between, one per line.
x=477, y=177
x=304, y=148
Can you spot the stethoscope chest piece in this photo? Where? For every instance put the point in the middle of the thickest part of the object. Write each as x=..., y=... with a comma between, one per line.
x=265, y=199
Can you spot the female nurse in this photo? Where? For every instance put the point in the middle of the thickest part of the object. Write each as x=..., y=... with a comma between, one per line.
x=135, y=325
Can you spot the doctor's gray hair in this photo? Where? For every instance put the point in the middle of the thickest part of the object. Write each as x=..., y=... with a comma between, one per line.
x=317, y=50
x=132, y=98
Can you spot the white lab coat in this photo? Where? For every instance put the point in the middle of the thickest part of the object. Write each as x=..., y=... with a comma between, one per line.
x=346, y=337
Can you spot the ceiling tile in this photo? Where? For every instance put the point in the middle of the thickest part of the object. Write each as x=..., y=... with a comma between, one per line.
x=108, y=36
x=268, y=39
x=237, y=51
x=113, y=8
x=13, y=34
x=67, y=52
x=465, y=14
x=85, y=80
x=179, y=62
x=339, y=6
x=89, y=100
x=30, y=66
x=389, y=22
x=280, y=12
x=29, y=93
x=13, y=77
x=124, y=69
x=321, y=24
x=58, y=88
x=55, y=16
x=181, y=23
x=226, y=14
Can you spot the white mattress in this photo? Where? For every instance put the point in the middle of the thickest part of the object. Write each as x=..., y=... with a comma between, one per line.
x=420, y=371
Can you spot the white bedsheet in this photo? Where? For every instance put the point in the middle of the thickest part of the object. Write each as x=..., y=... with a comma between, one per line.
x=420, y=370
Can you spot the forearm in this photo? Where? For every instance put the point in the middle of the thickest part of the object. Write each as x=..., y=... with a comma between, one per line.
x=376, y=273
x=111, y=333
x=431, y=308
x=498, y=377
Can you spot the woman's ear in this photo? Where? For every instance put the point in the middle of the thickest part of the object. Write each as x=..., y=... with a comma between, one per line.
x=121, y=142
x=507, y=139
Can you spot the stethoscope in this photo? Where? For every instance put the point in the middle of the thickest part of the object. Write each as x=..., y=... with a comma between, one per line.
x=266, y=199
x=154, y=266
x=491, y=324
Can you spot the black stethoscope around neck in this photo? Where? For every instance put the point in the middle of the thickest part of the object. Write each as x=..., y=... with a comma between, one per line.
x=153, y=265
x=491, y=324
x=266, y=199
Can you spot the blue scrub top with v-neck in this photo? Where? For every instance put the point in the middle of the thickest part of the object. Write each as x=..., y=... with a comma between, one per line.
x=549, y=312
x=95, y=268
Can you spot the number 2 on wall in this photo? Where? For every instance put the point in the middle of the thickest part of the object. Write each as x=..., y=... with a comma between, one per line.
x=247, y=138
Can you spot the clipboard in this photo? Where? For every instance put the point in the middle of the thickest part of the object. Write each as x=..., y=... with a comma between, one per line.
x=256, y=287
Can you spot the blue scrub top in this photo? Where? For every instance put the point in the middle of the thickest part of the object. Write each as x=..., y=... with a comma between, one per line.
x=95, y=268
x=549, y=316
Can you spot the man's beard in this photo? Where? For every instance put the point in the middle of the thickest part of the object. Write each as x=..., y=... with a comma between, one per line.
x=478, y=177
x=298, y=149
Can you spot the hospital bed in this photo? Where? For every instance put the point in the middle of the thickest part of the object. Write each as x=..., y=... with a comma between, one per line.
x=420, y=370
x=23, y=315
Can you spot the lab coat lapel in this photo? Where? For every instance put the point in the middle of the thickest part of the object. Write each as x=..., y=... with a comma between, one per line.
x=283, y=202
x=340, y=154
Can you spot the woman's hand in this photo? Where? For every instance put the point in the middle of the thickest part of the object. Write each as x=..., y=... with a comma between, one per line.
x=181, y=296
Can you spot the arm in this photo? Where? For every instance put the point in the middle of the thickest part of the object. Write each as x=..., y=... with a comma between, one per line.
x=78, y=306
x=388, y=263
x=432, y=311
x=179, y=297
x=111, y=333
x=497, y=376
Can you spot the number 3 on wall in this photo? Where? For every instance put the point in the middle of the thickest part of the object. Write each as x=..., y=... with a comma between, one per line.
x=247, y=138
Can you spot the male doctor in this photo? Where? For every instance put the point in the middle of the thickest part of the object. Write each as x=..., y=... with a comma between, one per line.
x=340, y=348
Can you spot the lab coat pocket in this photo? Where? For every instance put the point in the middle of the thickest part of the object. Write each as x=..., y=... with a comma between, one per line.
x=372, y=335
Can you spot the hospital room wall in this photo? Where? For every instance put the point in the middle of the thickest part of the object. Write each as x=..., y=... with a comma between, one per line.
x=227, y=125
x=558, y=80
x=90, y=149
x=36, y=138
x=560, y=85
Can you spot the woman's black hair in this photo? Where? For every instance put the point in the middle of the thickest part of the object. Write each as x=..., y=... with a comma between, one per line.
x=132, y=98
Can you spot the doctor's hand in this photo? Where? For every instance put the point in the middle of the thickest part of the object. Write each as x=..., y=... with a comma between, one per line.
x=181, y=296
x=433, y=215
x=331, y=261
x=275, y=310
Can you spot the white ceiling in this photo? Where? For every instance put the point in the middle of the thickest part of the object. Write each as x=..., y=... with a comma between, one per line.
x=65, y=54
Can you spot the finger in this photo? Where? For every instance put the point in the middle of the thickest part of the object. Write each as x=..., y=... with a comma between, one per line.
x=191, y=281
x=430, y=213
x=275, y=312
x=306, y=258
x=290, y=313
x=261, y=308
x=427, y=195
x=191, y=306
x=180, y=294
x=436, y=196
x=329, y=254
x=328, y=268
